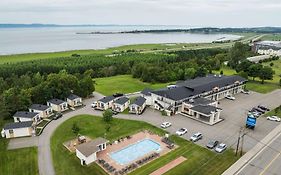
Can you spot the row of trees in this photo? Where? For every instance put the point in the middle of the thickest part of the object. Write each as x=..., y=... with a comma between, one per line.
x=18, y=93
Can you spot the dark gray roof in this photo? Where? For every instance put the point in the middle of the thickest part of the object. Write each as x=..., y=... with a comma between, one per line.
x=39, y=107
x=91, y=147
x=175, y=94
x=139, y=101
x=24, y=114
x=56, y=101
x=18, y=125
x=107, y=99
x=146, y=91
x=205, y=109
x=121, y=100
x=199, y=101
x=197, y=86
x=204, y=84
x=73, y=97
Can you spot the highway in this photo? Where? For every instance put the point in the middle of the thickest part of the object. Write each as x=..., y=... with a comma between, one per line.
x=267, y=161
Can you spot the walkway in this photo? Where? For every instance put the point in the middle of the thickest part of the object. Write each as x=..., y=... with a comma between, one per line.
x=169, y=166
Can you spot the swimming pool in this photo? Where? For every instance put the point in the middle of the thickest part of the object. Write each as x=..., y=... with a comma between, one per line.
x=135, y=151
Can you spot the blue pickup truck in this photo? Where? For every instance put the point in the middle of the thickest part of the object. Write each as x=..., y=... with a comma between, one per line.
x=251, y=121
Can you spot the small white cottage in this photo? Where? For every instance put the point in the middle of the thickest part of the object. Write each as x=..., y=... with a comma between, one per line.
x=87, y=152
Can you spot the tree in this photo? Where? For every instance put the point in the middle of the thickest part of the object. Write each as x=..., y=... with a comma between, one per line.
x=243, y=74
x=189, y=73
x=266, y=73
x=107, y=116
x=237, y=53
x=221, y=72
x=75, y=128
x=280, y=82
x=271, y=64
x=254, y=70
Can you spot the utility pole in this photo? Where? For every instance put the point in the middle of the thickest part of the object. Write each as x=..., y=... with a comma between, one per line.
x=242, y=144
x=238, y=142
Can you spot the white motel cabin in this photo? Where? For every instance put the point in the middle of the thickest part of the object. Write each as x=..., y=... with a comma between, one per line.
x=18, y=129
x=74, y=100
x=23, y=116
x=87, y=152
x=105, y=103
x=43, y=110
x=58, y=105
x=121, y=104
x=137, y=106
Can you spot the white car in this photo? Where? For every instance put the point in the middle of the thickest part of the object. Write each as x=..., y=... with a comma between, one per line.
x=221, y=147
x=273, y=118
x=245, y=92
x=229, y=97
x=197, y=136
x=166, y=125
x=94, y=104
x=181, y=131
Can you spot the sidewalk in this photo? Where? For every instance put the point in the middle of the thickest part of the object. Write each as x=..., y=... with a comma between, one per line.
x=169, y=166
x=250, y=155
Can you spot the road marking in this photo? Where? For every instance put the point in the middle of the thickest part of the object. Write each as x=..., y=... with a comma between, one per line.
x=264, y=170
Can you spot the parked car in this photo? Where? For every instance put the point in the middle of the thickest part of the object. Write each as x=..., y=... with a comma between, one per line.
x=166, y=125
x=221, y=147
x=212, y=144
x=229, y=97
x=259, y=110
x=244, y=91
x=273, y=118
x=181, y=131
x=263, y=108
x=197, y=136
x=94, y=104
x=57, y=116
x=256, y=114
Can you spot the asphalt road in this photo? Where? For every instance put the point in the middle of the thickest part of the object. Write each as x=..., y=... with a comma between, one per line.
x=266, y=162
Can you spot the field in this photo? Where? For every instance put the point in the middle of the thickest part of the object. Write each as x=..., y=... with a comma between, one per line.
x=273, y=37
x=123, y=84
x=205, y=162
x=268, y=86
x=20, y=161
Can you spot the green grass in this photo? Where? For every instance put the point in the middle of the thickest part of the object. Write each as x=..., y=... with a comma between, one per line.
x=274, y=112
x=268, y=86
x=199, y=160
x=123, y=84
x=272, y=37
x=19, y=161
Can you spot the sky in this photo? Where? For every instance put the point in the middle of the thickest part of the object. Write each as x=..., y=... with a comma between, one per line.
x=193, y=13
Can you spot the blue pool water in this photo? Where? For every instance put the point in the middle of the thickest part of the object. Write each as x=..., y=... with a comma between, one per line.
x=135, y=151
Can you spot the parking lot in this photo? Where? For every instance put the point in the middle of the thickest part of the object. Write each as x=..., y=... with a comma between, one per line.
x=234, y=115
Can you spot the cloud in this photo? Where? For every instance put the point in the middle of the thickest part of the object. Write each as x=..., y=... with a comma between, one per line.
x=186, y=12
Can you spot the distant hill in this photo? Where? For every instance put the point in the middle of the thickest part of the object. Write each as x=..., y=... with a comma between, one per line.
x=190, y=30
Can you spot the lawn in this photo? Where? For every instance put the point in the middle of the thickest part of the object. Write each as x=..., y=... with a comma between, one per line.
x=199, y=160
x=19, y=161
x=272, y=37
x=123, y=84
x=268, y=86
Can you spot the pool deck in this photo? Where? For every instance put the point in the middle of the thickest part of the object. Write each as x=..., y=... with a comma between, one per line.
x=169, y=166
x=126, y=142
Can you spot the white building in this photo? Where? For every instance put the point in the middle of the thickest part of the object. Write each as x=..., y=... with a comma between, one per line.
x=43, y=110
x=87, y=152
x=23, y=116
x=272, y=48
x=74, y=100
x=212, y=87
x=18, y=129
x=202, y=109
x=105, y=103
x=146, y=93
x=138, y=106
x=57, y=105
x=121, y=104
